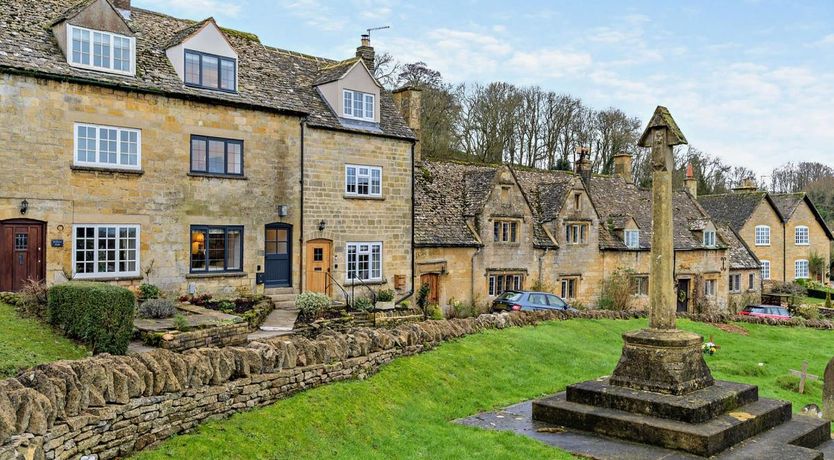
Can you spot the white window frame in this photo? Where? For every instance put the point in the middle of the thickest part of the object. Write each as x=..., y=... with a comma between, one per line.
x=802, y=269
x=631, y=238
x=91, y=66
x=369, y=252
x=98, y=163
x=115, y=274
x=798, y=239
x=710, y=287
x=762, y=235
x=709, y=239
x=765, y=270
x=369, y=176
x=347, y=109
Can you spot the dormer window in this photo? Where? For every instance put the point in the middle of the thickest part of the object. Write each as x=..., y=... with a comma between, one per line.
x=632, y=239
x=105, y=51
x=203, y=70
x=709, y=239
x=358, y=105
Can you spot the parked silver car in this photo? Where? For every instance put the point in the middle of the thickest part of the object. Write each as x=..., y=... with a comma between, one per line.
x=529, y=301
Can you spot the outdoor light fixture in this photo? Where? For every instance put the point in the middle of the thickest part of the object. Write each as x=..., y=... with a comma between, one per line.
x=24, y=206
x=282, y=210
x=322, y=224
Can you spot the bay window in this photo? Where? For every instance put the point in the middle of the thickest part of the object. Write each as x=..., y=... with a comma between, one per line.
x=109, y=250
x=364, y=261
x=216, y=248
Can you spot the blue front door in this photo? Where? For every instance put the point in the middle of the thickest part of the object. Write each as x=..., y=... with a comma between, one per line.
x=277, y=250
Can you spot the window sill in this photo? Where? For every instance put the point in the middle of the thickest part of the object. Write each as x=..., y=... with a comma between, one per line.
x=217, y=176
x=108, y=278
x=216, y=275
x=103, y=169
x=367, y=282
x=363, y=197
x=210, y=88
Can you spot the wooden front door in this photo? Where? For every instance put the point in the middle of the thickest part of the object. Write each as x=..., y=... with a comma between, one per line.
x=683, y=295
x=277, y=250
x=22, y=253
x=318, y=266
x=433, y=280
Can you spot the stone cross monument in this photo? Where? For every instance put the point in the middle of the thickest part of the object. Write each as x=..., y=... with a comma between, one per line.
x=662, y=358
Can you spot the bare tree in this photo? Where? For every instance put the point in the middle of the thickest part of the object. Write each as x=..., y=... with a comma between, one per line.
x=386, y=69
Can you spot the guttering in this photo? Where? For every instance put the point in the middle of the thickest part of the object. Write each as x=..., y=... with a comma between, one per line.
x=301, y=278
x=413, y=260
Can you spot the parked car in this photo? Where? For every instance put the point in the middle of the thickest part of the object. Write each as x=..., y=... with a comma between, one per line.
x=529, y=301
x=766, y=311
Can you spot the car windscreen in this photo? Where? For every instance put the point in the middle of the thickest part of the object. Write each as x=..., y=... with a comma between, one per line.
x=779, y=311
x=755, y=310
x=511, y=296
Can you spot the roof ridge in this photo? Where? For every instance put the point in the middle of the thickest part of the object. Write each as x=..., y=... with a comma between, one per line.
x=333, y=65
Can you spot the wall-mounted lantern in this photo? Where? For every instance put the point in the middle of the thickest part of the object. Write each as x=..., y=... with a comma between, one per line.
x=322, y=225
x=283, y=210
x=24, y=206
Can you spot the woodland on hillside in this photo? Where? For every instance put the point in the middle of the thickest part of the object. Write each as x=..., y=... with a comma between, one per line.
x=531, y=126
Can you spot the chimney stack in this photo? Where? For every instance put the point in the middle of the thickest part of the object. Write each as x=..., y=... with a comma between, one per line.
x=583, y=165
x=366, y=52
x=747, y=185
x=408, y=101
x=623, y=166
x=690, y=182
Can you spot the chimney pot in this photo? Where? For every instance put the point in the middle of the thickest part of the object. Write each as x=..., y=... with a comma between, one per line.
x=690, y=182
x=366, y=52
x=747, y=185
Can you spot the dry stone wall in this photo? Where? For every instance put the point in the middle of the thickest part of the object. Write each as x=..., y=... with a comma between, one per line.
x=112, y=406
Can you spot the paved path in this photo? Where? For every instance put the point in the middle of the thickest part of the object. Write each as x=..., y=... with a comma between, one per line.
x=280, y=322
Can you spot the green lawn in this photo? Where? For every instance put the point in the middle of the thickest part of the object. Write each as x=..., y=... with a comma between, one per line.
x=812, y=301
x=26, y=342
x=405, y=410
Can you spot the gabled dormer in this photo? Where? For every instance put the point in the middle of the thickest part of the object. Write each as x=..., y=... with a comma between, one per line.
x=94, y=35
x=351, y=90
x=203, y=57
x=626, y=229
x=705, y=231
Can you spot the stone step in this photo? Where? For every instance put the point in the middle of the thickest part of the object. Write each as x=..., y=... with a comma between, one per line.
x=278, y=291
x=705, y=439
x=285, y=305
x=797, y=438
x=696, y=407
x=827, y=448
x=282, y=297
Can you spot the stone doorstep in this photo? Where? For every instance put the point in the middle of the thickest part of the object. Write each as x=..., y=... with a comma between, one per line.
x=696, y=407
x=705, y=439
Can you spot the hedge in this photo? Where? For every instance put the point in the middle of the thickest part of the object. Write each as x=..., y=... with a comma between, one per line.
x=98, y=314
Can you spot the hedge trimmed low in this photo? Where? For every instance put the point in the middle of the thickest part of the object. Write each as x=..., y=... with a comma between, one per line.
x=98, y=314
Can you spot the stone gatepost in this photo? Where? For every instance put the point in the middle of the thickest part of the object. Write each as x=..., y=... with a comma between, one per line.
x=828, y=391
x=662, y=358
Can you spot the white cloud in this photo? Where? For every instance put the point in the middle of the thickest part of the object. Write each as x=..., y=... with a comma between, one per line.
x=827, y=40
x=549, y=63
x=197, y=8
x=315, y=14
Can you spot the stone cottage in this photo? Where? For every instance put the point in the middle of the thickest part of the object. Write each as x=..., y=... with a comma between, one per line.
x=783, y=231
x=482, y=229
x=194, y=156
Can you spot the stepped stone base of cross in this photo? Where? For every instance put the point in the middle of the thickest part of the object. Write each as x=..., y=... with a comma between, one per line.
x=661, y=392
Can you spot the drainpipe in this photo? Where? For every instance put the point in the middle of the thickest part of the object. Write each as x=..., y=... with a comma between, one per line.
x=301, y=277
x=472, y=275
x=784, y=252
x=413, y=261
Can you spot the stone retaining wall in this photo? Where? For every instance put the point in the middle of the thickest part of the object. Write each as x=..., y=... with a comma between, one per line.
x=115, y=405
x=216, y=336
x=381, y=318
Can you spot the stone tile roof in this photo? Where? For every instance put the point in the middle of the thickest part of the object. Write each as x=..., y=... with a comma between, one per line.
x=733, y=208
x=269, y=78
x=788, y=202
x=741, y=257
x=335, y=71
x=615, y=199
x=547, y=191
x=447, y=193
x=440, y=206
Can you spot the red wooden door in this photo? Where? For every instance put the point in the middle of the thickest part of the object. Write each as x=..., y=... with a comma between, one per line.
x=433, y=280
x=21, y=253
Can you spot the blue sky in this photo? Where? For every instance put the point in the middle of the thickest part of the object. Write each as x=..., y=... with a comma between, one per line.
x=750, y=81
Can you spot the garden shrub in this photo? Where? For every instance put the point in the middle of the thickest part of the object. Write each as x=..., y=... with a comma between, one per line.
x=32, y=299
x=434, y=311
x=157, y=309
x=385, y=295
x=795, y=290
x=809, y=311
x=180, y=323
x=98, y=314
x=311, y=304
x=404, y=304
x=9, y=298
x=423, y=300
x=458, y=309
x=362, y=304
x=615, y=293
x=148, y=291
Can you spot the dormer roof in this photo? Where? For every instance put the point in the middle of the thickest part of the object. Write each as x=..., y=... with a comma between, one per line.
x=332, y=72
